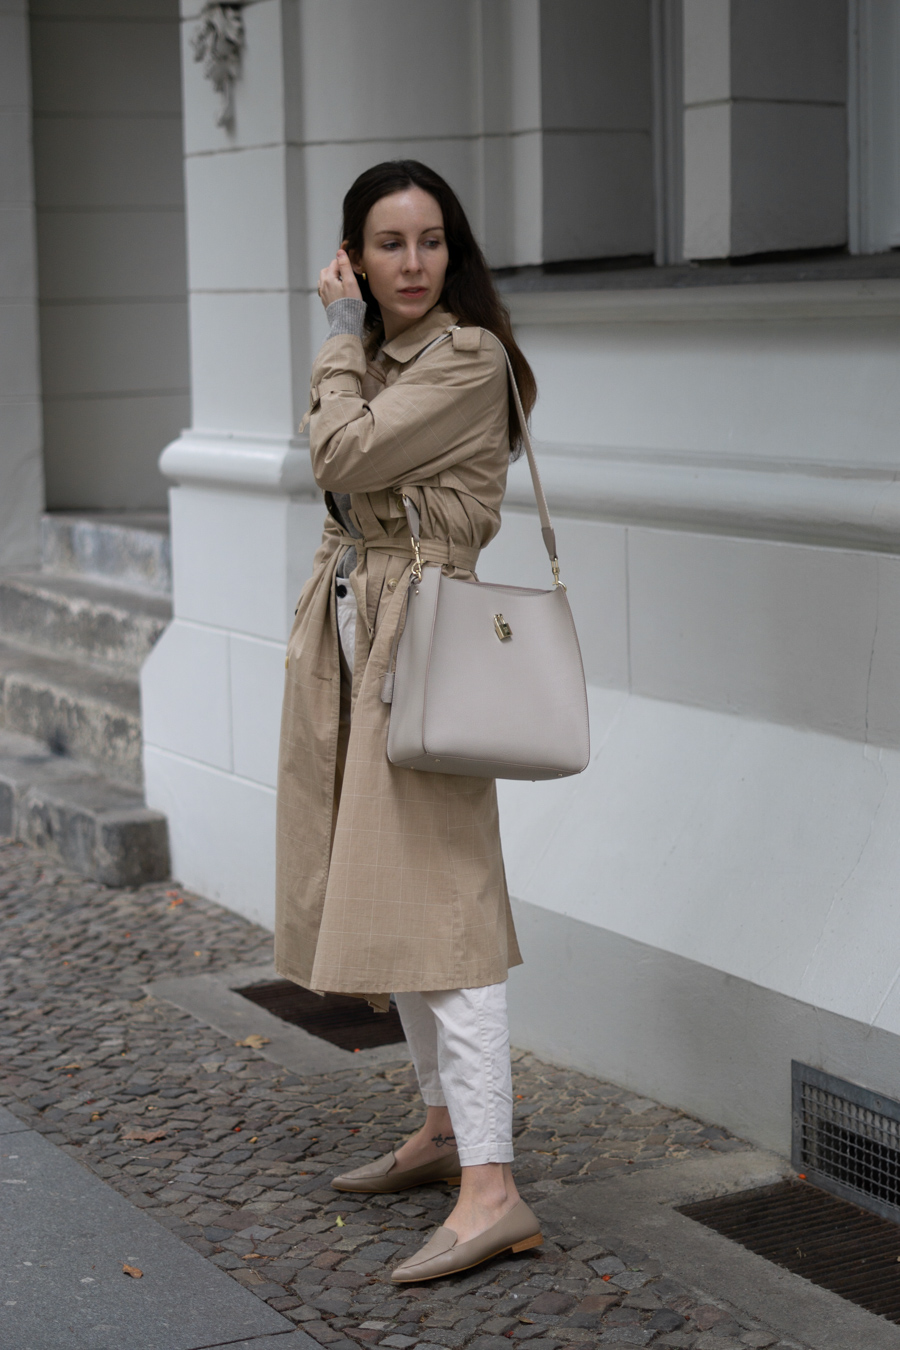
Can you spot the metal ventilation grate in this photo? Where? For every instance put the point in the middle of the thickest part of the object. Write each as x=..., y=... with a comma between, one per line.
x=828, y=1241
x=846, y=1140
x=338, y=1018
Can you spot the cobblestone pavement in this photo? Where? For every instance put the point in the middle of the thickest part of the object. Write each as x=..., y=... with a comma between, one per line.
x=234, y=1154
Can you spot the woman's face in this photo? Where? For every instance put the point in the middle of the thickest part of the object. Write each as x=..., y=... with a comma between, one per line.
x=404, y=257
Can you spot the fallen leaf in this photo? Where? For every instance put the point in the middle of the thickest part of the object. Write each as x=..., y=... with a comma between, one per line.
x=198, y=953
x=339, y=1222
x=254, y=1256
x=95, y=1115
x=133, y=1272
x=71, y=1066
x=173, y=904
x=254, y=1041
x=145, y=1136
x=253, y=1139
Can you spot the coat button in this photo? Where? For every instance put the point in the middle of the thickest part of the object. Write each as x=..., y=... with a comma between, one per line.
x=391, y=584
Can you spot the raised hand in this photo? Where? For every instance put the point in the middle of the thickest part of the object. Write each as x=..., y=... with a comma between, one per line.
x=338, y=281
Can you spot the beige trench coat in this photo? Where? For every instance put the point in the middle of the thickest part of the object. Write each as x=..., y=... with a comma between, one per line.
x=390, y=879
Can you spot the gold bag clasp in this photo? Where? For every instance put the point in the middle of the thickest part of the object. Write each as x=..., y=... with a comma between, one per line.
x=502, y=628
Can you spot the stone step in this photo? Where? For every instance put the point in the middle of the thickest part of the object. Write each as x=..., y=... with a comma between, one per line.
x=70, y=615
x=129, y=548
x=73, y=709
x=97, y=827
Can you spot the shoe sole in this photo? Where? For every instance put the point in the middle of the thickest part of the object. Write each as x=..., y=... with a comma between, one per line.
x=524, y=1245
x=393, y=1190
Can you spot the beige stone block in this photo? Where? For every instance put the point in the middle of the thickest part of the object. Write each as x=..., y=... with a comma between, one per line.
x=18, y=348
x=257, y=686
x=108, y=161
x=795, y=51
x=382, y=59
x=777, y=631
x=112, y=255
x=185, y=694
x=598, y=194
x=15, y=170
x=595, y=66
x=15, y=84
x=132, y=347
x=237, y=220
x=707, y=50
x=105, y=67
x=18, y=273
x=707, y=181
x=102, y=452
x=788, y=177
x=241, y=373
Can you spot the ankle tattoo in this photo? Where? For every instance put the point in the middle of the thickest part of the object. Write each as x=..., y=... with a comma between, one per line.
x=444, y=1140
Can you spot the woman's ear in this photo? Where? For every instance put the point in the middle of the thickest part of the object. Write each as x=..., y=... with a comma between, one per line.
x=354, y=256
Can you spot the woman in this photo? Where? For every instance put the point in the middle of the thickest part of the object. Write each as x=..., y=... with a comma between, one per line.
x=391, y=880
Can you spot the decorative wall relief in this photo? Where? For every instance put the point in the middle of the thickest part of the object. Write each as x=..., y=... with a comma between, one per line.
x=219, y=43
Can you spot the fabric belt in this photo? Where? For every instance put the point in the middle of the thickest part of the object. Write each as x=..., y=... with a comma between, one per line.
x=440, y=551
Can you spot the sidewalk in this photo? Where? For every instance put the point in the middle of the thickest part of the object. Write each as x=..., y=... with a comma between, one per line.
x=231, y=1153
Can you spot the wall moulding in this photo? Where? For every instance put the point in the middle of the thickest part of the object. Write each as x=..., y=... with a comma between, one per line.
x=267, y=464
x=825, y=505
x=762, y=301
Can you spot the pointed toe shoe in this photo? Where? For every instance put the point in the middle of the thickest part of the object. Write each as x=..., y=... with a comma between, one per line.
x=382, y=1176
x=444, y=1254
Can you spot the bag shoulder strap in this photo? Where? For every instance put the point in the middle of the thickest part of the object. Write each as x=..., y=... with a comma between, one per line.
x=548, y=534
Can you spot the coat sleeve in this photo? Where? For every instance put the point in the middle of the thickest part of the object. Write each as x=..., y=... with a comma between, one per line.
x=430, y=418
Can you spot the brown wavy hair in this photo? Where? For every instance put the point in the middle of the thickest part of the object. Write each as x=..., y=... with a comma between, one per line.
x=469, y=291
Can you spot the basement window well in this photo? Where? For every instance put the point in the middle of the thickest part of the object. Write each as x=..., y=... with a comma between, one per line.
x=846, y=1139
x=838, y=1224
x=343, y=1021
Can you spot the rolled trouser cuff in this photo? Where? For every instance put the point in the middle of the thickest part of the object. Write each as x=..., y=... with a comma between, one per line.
x=490, y=1153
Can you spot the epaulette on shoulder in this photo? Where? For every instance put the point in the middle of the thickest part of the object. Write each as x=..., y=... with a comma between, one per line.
x=466, y=339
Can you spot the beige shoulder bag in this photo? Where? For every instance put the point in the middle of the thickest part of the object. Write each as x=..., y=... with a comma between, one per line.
x=489, y=679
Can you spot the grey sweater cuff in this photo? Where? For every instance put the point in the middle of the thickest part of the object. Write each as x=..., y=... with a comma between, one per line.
x=346, y=316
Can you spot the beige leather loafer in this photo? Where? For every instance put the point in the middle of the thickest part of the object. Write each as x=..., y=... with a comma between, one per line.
x=382, y=1176
x=444, y=1254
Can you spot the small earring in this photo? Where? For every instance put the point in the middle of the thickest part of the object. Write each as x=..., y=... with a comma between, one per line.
x=364, y=277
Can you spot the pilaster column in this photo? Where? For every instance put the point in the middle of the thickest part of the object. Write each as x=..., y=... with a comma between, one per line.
x=244, y=517
x=21, y=469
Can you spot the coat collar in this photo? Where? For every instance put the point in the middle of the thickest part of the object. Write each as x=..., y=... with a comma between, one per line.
x=410, y=342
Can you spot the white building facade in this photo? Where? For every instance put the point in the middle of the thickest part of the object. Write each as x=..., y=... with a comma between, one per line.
x=692, y=205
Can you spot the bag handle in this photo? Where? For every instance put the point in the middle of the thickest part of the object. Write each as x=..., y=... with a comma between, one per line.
x=548, y=534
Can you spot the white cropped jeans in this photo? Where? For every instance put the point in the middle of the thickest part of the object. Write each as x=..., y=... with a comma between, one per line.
x=459, y=1041
x=458, y=1038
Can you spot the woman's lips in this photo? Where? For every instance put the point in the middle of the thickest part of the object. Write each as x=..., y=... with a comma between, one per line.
x=414, y=290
